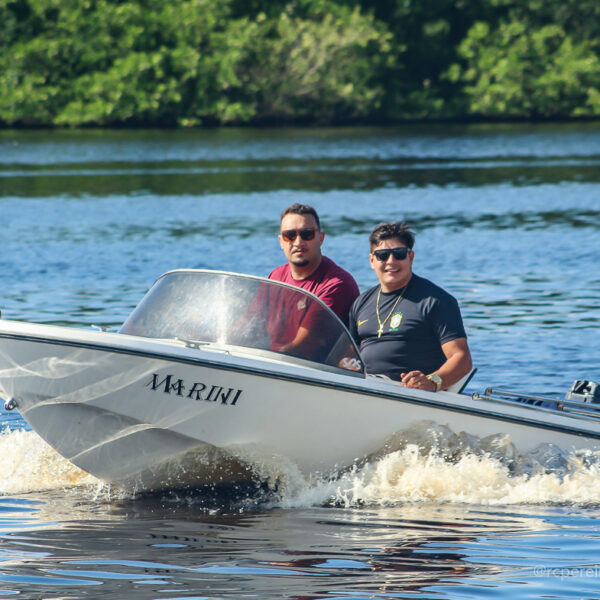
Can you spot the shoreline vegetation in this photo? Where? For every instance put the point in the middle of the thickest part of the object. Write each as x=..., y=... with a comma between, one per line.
x=192, y=63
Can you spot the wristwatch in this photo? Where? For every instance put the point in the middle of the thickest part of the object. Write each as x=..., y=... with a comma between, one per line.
x=436, y=379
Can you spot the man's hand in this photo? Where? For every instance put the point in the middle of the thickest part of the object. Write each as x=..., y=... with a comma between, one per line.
x=417, y=379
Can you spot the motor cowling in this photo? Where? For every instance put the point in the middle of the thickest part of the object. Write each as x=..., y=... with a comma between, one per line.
x=584, y=391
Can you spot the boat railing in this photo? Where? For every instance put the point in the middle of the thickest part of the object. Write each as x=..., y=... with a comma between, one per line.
x=580, y=408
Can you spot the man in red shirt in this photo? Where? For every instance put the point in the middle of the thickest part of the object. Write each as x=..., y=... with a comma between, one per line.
x=301, y=238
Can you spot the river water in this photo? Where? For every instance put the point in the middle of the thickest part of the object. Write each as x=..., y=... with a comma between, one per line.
x=507, y=219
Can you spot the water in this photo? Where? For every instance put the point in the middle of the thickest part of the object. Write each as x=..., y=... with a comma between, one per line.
x=507, y=219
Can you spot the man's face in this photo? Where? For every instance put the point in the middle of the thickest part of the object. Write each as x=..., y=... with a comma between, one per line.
x=299, y=252
x=393, y=273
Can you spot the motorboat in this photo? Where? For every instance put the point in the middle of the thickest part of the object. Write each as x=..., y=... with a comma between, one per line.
x=214, y=374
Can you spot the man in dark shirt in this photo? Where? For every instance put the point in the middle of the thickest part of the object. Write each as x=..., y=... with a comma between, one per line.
x=407, y=327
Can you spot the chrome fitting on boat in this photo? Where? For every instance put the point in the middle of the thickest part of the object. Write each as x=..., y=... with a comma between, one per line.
x=10, y=404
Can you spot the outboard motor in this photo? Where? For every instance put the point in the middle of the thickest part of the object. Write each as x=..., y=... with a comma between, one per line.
x=584, y=391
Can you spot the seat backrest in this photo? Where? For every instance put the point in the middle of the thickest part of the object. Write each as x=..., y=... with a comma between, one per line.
x=461, y=384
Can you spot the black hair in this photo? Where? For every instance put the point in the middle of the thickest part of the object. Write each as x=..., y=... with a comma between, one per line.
x=301, y=209
x=387, y=231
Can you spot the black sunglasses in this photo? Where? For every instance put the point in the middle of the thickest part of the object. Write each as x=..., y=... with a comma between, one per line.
x=289, y=235
x=383, y=255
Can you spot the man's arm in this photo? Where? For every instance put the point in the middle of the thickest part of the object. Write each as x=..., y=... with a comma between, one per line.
x=458, y=364
x=302, y=344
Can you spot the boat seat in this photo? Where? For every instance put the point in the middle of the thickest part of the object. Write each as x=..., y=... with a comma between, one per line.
x=461, y=384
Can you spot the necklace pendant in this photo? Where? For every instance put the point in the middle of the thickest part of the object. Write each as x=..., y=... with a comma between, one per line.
x=380, y=331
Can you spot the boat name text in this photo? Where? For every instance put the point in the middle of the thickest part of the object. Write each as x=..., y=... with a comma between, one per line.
x=198, y=391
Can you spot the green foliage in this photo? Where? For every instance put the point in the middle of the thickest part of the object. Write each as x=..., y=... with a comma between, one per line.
x=193, y=62
x=102, y=62
x=519, y=71
x=426, y=35
x=580, y=18
x=74, y=62
x=313, y=67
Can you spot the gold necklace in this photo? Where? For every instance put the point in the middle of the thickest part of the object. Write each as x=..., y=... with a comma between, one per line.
x=380, y=330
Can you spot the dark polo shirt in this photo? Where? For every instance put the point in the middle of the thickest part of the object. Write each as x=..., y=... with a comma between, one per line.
x=421, y=321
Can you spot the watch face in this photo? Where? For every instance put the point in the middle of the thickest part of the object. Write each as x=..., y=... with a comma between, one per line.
x=437, y=380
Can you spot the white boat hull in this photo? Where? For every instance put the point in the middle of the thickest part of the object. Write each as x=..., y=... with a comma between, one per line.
x=154, y=414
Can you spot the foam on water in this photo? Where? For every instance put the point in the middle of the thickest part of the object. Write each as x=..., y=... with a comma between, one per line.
x=428, y=463
x=431, y=463
x=410, y=475
x=29, y=464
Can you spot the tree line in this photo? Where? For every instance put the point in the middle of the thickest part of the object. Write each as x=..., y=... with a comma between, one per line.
x=218, y=62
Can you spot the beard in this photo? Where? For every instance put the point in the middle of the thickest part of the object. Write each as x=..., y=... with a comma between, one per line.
x=302, y=262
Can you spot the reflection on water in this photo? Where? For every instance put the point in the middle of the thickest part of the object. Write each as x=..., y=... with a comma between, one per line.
x=312, y=553
x=447, y=141
x=314, y=176
x=103, y=163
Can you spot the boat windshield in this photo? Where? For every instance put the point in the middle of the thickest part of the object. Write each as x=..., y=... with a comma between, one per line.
x=213, y=307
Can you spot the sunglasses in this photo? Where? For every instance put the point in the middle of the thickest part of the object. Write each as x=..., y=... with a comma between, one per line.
x=383, y=255
x=289, y=235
